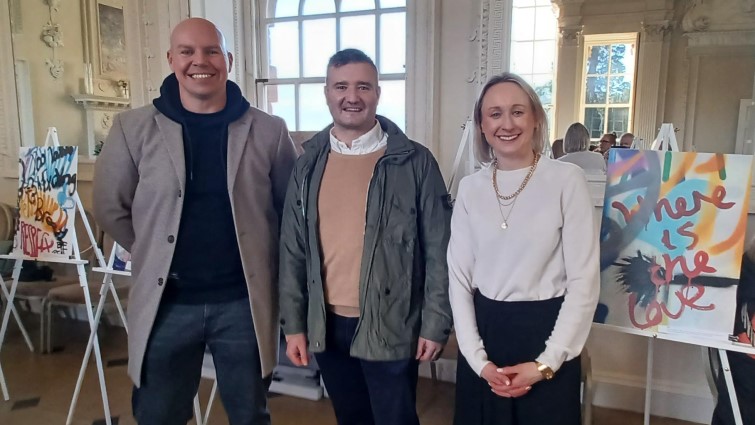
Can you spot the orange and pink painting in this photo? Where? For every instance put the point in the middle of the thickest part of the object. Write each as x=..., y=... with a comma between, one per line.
x=672, y=238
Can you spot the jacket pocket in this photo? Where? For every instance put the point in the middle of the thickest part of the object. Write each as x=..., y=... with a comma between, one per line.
x=394, y=292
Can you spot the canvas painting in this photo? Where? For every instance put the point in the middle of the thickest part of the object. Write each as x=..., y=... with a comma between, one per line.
x=46, y=204
x=112, y=40
x=672, y=238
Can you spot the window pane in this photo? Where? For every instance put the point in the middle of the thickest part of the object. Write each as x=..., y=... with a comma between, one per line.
x=319, y=44
x=622, y=58
x=283, y=50
x=393, y=102
x=392, y=43
x=521, y=57
x=545, y=24
x=618, y=120
x=543, y=2
x=313, y=111
x=351, y=5
x=316, y=7
x=597, y=60
x=285, y=8
x=620, y=89
x=392, y=3
x=523, y=24
x=524, y=3
x=359, y=32
x=543, y=60
x=596, y=89
x=543, y=86
x=594, y=121
x=281, y=101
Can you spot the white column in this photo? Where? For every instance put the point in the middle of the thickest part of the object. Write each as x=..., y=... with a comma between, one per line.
x=651, y=79
x=568, y=83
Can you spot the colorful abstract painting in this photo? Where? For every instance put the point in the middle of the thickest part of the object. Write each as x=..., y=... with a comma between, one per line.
x=46, y=203
x=672, y=236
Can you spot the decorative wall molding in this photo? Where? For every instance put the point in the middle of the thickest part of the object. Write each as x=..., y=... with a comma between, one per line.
x=570, y=36
x=52, y=36
x=99, y=114
x=10, y=132
x=656, y=31
x=423, y=72
x=720, y=39
x=494, y=40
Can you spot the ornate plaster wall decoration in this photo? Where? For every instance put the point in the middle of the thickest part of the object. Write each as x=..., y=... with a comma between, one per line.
x=570, y=35
x=657, y=31
x=53, y=4
x=52, y=36
x=55, y=66
x=490, y=38
x=697, y=16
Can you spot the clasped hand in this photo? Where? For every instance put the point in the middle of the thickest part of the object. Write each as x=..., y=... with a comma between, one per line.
x=511, y=381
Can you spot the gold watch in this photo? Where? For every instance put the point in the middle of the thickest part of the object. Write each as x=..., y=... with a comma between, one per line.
x=544, y=370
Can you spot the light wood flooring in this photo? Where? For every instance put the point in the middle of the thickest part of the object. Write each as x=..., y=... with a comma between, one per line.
x=41, y=387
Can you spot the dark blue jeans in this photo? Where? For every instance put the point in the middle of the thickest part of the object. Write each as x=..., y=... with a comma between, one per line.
x=173, y=364
x=366, y=392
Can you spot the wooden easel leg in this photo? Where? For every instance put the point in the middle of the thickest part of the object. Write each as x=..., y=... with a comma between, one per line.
x=649, y=380
x=726, y=370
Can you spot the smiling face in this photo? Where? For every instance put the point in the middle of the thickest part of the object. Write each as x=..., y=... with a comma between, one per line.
x=201, y=63
x=508, y=123
x=352, y=94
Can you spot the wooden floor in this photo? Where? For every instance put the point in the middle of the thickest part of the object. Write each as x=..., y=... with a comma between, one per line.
x=41, y=387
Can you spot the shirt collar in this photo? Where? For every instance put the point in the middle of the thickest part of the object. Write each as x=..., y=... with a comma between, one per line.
x=369, y=142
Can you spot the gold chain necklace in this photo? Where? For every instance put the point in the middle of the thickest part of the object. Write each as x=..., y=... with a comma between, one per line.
x=521, y=186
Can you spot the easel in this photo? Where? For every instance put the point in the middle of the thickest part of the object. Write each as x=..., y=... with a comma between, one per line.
x=74, y=259
x=466, y=144
x=107, y=286
x=666, y=139
x=721, y=346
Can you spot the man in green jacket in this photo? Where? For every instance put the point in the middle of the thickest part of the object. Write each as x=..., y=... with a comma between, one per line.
x=363, y=275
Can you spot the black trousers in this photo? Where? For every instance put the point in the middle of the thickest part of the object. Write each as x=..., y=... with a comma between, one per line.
x=515, y=332
x=366, y=392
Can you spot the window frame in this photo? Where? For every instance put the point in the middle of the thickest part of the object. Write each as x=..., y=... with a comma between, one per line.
x=591, y=40
x=550, y=109
x=265, y=9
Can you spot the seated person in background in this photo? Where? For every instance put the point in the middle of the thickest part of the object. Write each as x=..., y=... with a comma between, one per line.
x=626, y=140
x=742, y=365
x=606, y=143
x=576, y=143
x=557, y=148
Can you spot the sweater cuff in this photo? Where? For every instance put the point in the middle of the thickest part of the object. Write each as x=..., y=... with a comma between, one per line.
x=551, y=359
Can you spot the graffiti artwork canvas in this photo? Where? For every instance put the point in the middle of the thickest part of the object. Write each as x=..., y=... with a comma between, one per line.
x=46, y=204
x=672, y=237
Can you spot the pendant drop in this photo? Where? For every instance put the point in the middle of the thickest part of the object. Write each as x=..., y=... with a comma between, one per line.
x=504, y=225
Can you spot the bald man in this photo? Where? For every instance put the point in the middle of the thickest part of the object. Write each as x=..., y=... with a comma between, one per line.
x=193, y=185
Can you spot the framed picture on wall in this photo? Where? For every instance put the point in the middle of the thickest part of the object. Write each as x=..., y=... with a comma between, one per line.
x=105, y=47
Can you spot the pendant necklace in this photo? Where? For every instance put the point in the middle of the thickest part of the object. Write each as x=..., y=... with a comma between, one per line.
x=514, y=196
x=505, y=219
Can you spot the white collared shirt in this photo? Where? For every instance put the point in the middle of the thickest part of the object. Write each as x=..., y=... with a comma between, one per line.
x=369, y=142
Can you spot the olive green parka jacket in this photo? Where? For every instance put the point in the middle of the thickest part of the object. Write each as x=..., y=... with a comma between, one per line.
x=403, y=286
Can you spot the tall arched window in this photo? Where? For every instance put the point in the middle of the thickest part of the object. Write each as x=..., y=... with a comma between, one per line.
x=299, y=36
